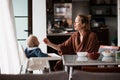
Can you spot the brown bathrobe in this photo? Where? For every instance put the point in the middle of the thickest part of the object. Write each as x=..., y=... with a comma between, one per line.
x=74, y=44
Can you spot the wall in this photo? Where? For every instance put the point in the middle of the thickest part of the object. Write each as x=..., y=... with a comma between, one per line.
x=80, y=7
x=39, y=21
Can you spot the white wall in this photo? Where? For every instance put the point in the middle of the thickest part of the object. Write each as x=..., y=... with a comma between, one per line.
x=39, y=21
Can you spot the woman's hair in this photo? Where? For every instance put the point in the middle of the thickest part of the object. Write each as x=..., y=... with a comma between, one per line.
x=32, y=41
x=85, y=20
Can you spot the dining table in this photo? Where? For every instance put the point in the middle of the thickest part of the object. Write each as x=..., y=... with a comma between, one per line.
x=69, y=61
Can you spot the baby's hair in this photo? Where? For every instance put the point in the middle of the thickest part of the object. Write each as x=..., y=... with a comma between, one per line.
x=32, y=41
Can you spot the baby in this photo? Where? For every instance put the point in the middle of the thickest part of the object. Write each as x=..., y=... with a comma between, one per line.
x=33, y=50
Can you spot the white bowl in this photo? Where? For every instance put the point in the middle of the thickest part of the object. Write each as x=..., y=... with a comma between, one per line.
x=82, y=58
x=107, y=59
x=106, y=53
x=82, y=53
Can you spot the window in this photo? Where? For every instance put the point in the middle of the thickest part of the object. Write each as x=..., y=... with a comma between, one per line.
x=21, y=20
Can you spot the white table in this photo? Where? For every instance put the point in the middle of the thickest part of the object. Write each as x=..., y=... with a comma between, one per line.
x=69, y=61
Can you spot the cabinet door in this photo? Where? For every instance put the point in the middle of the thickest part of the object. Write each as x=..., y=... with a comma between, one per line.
x=103, y=36
x=106, y=8
x=57, y=40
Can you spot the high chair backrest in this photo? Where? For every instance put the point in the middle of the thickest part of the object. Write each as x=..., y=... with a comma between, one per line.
x=22, y=55
x=23, y=59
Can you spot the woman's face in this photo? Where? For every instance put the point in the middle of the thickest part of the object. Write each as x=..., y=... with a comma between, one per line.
x=78, y=23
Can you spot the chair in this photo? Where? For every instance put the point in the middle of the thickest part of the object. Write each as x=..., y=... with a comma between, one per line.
x=36, y=63
x=22, y=55
x=83, y=75
x=23, y=59
x=32, y=64
x=59, y=75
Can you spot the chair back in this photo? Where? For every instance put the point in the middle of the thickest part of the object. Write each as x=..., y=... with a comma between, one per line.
x=59, y=75
x=22, y=55
x=23, y=59
x=83, y=75
x=38, y=63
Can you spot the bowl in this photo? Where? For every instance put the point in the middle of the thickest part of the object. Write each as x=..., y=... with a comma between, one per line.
x=107, y=59
x=106, y=53
x=82, y=53
x=82, y=58
x=93, y=55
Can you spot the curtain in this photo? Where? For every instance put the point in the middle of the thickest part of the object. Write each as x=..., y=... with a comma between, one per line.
x=9, y=59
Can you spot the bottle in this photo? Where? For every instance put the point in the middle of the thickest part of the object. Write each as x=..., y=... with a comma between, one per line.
x=49, y=27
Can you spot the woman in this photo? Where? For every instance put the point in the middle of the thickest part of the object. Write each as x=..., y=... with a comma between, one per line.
x=83, y=40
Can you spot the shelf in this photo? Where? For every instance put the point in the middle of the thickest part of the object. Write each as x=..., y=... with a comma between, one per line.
x=104, y=15
x=103, y=4
x=103, y=9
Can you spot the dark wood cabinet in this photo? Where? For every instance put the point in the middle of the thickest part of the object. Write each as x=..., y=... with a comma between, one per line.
x=103, y=35
x=102, y=11
x=56, y=39
x=103, y=8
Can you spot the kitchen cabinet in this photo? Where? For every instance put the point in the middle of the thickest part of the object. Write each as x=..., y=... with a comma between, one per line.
x=103, y=35
x=103, y=8
x=56, y=39
x=104, y=13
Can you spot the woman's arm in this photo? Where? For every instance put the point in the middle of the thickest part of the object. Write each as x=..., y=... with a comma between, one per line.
x=64, y=48
x=50, y=44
